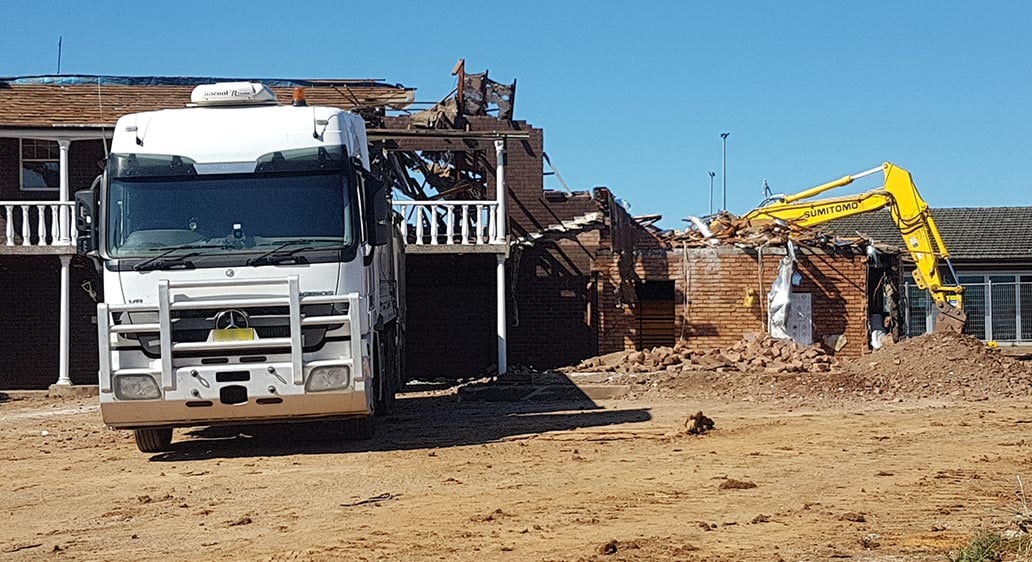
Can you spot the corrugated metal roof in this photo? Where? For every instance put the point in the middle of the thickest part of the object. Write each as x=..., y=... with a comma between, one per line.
x=970, y=233
x=91, y=101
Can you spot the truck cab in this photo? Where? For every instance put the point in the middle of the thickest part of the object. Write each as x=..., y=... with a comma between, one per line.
x=250, y=267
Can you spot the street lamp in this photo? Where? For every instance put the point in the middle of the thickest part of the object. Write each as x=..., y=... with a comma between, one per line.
x=723, y=172
x=712, y=174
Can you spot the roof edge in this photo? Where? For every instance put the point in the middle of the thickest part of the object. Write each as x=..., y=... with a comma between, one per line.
x=112, y=80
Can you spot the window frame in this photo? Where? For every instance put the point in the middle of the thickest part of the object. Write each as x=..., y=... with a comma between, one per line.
x=22, y=160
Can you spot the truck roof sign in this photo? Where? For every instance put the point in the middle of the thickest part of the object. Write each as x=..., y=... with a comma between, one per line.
x=232, y=93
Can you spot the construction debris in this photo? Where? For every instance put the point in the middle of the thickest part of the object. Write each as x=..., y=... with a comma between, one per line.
x=698, y=424
x=474, y=94
x=758, y=368
x=725, y=229
x=753, y=353
x=732, y=484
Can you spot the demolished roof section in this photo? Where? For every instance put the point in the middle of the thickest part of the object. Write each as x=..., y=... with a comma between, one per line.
x=474, y=94
x=726, y=229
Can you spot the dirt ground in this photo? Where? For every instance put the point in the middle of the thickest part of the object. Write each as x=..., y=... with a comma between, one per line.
x=455, y=480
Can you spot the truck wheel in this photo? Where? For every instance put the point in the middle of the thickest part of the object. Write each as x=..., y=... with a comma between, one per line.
x=153, y=440
x=357, y=429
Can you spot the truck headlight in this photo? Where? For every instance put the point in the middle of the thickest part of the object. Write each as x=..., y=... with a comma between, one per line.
x=136, y=387
x=328, y=378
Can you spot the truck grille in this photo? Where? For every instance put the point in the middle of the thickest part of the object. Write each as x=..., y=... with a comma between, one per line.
x=268, y=322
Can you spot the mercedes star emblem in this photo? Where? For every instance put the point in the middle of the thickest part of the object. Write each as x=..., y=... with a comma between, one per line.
x=231, y=319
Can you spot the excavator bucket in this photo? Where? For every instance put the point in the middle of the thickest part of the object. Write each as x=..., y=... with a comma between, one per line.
x=951, y=319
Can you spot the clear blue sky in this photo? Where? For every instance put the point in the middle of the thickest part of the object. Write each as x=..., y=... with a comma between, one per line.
x=632, y=95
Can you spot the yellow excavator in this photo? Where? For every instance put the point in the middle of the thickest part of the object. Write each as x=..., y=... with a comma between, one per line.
x=909, y=212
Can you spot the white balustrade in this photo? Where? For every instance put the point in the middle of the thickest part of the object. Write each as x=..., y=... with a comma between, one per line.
x=434, y=222
x=37, y=223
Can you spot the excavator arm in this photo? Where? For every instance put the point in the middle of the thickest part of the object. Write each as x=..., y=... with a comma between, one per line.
x=910, y=214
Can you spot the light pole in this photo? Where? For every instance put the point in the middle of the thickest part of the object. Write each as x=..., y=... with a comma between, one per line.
x=712, y=174
x=723, y=171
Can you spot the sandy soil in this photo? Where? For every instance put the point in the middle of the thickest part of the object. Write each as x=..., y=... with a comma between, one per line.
x=520, y=481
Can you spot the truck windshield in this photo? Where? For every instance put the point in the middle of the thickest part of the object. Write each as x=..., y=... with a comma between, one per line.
x=230, y=213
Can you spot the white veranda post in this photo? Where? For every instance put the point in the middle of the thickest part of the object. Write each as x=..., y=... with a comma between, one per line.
x=63, y=219
x=501, y=237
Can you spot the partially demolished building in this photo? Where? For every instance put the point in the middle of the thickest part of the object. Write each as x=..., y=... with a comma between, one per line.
x=587, y=278
x=583, y=276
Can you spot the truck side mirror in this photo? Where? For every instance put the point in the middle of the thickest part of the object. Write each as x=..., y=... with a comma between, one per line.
x=85, y=222
x=378, y=211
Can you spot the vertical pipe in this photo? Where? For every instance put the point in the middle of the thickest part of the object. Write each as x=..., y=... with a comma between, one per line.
x=500, y=238
x=168, y=376
x=503, y=366
x=62, y=368
x=104, y=345
x=723, y=169
x=1017, y=308
x=711, y=174
x=500, y=215
x=296, y=348
x=65, y=228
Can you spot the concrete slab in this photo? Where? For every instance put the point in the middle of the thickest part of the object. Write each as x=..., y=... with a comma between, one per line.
x=72, y=390
x=6, y=395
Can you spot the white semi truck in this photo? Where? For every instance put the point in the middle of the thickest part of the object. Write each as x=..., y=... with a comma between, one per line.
x=251, y=268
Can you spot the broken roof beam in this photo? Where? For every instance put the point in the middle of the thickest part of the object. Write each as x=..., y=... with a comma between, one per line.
x=395, y=134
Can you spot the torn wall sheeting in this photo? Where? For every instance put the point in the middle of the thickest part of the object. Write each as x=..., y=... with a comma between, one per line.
x=779, y=297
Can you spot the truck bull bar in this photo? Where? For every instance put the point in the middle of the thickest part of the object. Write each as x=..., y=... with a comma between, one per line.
x=168, y=303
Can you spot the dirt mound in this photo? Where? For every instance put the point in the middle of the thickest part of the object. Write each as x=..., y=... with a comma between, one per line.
x=941, y=365
x=761, y=368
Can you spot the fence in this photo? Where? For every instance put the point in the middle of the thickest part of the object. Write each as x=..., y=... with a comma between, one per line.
x=36, y=223
x=999, y=307
x=450, y=222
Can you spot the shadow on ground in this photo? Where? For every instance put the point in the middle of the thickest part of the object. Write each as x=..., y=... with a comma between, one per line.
x=419, y=422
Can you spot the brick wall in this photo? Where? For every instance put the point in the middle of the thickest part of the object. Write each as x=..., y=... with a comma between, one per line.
x=617, y=312
x=30, y=288
x=82, y=164
x=10, y=171
x=551, y=321
x=30, y=321
x=717, y=280
x=82, y=167
x=550, y=296
x=450, y=315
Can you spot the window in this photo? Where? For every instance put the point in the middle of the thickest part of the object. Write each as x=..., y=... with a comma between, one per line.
x=40, y=165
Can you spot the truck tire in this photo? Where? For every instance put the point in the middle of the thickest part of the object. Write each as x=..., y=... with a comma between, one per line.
x=153, y=440
x=357, y=429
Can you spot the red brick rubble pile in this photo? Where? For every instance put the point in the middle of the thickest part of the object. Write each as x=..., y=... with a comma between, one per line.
x=753, y=353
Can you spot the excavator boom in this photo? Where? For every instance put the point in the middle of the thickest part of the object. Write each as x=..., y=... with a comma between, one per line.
x=909, y=212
